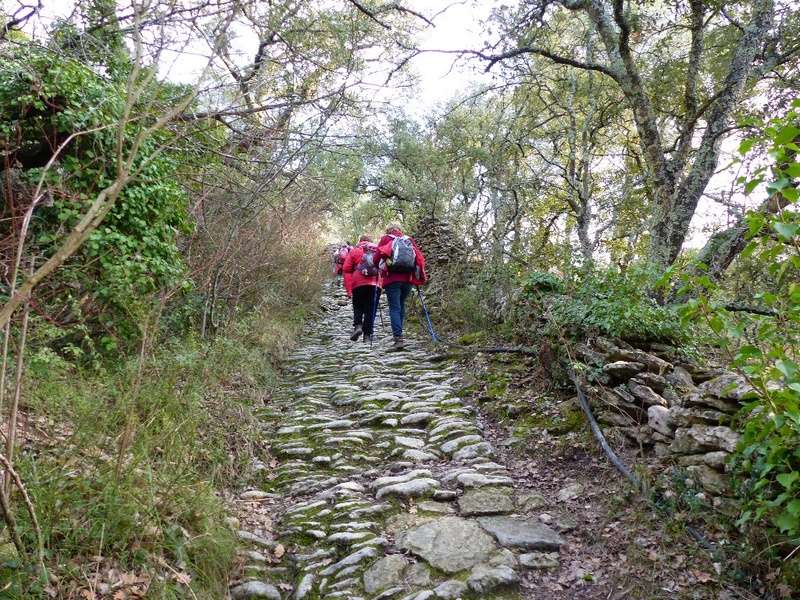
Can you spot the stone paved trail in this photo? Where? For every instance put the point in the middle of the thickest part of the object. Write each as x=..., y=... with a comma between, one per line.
x=390, y=489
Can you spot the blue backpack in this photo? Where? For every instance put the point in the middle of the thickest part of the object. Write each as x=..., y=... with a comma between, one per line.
x=366, y=266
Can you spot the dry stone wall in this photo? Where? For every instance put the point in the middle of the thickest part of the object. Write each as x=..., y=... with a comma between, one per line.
x=676, y=410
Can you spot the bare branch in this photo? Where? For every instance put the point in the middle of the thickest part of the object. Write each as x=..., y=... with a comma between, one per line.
x=561, y=60
x=373, y=14
x=23, y=14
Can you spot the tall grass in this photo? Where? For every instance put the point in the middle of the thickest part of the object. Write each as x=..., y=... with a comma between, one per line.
x=124, y=464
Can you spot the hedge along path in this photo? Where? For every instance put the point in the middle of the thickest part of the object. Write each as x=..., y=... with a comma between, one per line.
x=389, y=487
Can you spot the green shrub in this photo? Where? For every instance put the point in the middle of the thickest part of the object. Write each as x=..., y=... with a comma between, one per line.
x=765, y=349
x=539, y=282
x=604, y=300
x=107, y=284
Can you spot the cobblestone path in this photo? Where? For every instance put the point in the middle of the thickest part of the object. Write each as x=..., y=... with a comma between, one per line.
x=390, y=489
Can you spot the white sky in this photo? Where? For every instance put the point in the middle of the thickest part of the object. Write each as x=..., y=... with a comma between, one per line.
x=458, y=26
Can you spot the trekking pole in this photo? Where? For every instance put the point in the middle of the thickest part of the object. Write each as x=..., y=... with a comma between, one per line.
x=434, y=337
x=375, y=305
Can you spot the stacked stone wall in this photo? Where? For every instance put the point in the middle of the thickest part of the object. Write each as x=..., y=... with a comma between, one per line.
x=672, y=409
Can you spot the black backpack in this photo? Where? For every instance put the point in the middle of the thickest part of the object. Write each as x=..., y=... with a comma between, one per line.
x=404, y=257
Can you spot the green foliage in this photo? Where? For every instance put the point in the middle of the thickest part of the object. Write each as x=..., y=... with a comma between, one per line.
x=107, y=284
x=470, y=339
x=607, y=301
x=766, y=348
x=539, y=282
x=99, y=42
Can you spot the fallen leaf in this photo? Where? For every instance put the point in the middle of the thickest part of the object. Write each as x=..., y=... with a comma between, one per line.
x=279, y=551
x=702, y=577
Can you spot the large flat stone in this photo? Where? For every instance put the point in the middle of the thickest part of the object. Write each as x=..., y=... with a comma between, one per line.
x=653, y=363
x=622, y=370
x=646, y=394
x=384, y=573
x=529, y=534
x=698, y=437
x=409, y=489
x=477, y=480
x=728, y=386
x=486, y=501
x=473, y=451
x=450, y=544
x=255, y=590
x=485, y=578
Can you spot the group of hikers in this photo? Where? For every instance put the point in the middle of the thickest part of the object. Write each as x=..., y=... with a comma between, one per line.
x=393, y=266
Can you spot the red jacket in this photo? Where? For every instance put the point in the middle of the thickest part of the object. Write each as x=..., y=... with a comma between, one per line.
x=338, y=263
x=418, y=277
x=354, y=278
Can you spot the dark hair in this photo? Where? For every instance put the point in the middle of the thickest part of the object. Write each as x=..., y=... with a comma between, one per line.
x=365, y=238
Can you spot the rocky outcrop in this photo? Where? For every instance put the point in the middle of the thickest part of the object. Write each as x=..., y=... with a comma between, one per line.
x=438, y=242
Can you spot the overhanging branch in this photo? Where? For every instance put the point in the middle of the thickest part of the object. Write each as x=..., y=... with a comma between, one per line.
x=556, y=58
x=373, y=14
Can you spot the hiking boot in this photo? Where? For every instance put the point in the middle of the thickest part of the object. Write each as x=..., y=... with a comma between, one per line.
x=397, y=341
x=368, y=337
x=356, y=333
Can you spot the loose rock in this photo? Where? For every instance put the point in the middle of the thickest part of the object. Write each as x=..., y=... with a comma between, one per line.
x=570, y=492
x=484, y=578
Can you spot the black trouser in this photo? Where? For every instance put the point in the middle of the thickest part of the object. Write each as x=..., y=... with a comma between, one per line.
x=365, y=304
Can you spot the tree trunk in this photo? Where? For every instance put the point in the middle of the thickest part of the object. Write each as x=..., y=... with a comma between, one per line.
x=672, y=224
x=13, y=412
x=676, y=188
x=724, y=246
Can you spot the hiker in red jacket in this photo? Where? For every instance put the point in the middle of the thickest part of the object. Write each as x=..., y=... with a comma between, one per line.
x=403, y=266
x=362, y=282
x=339, y=257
